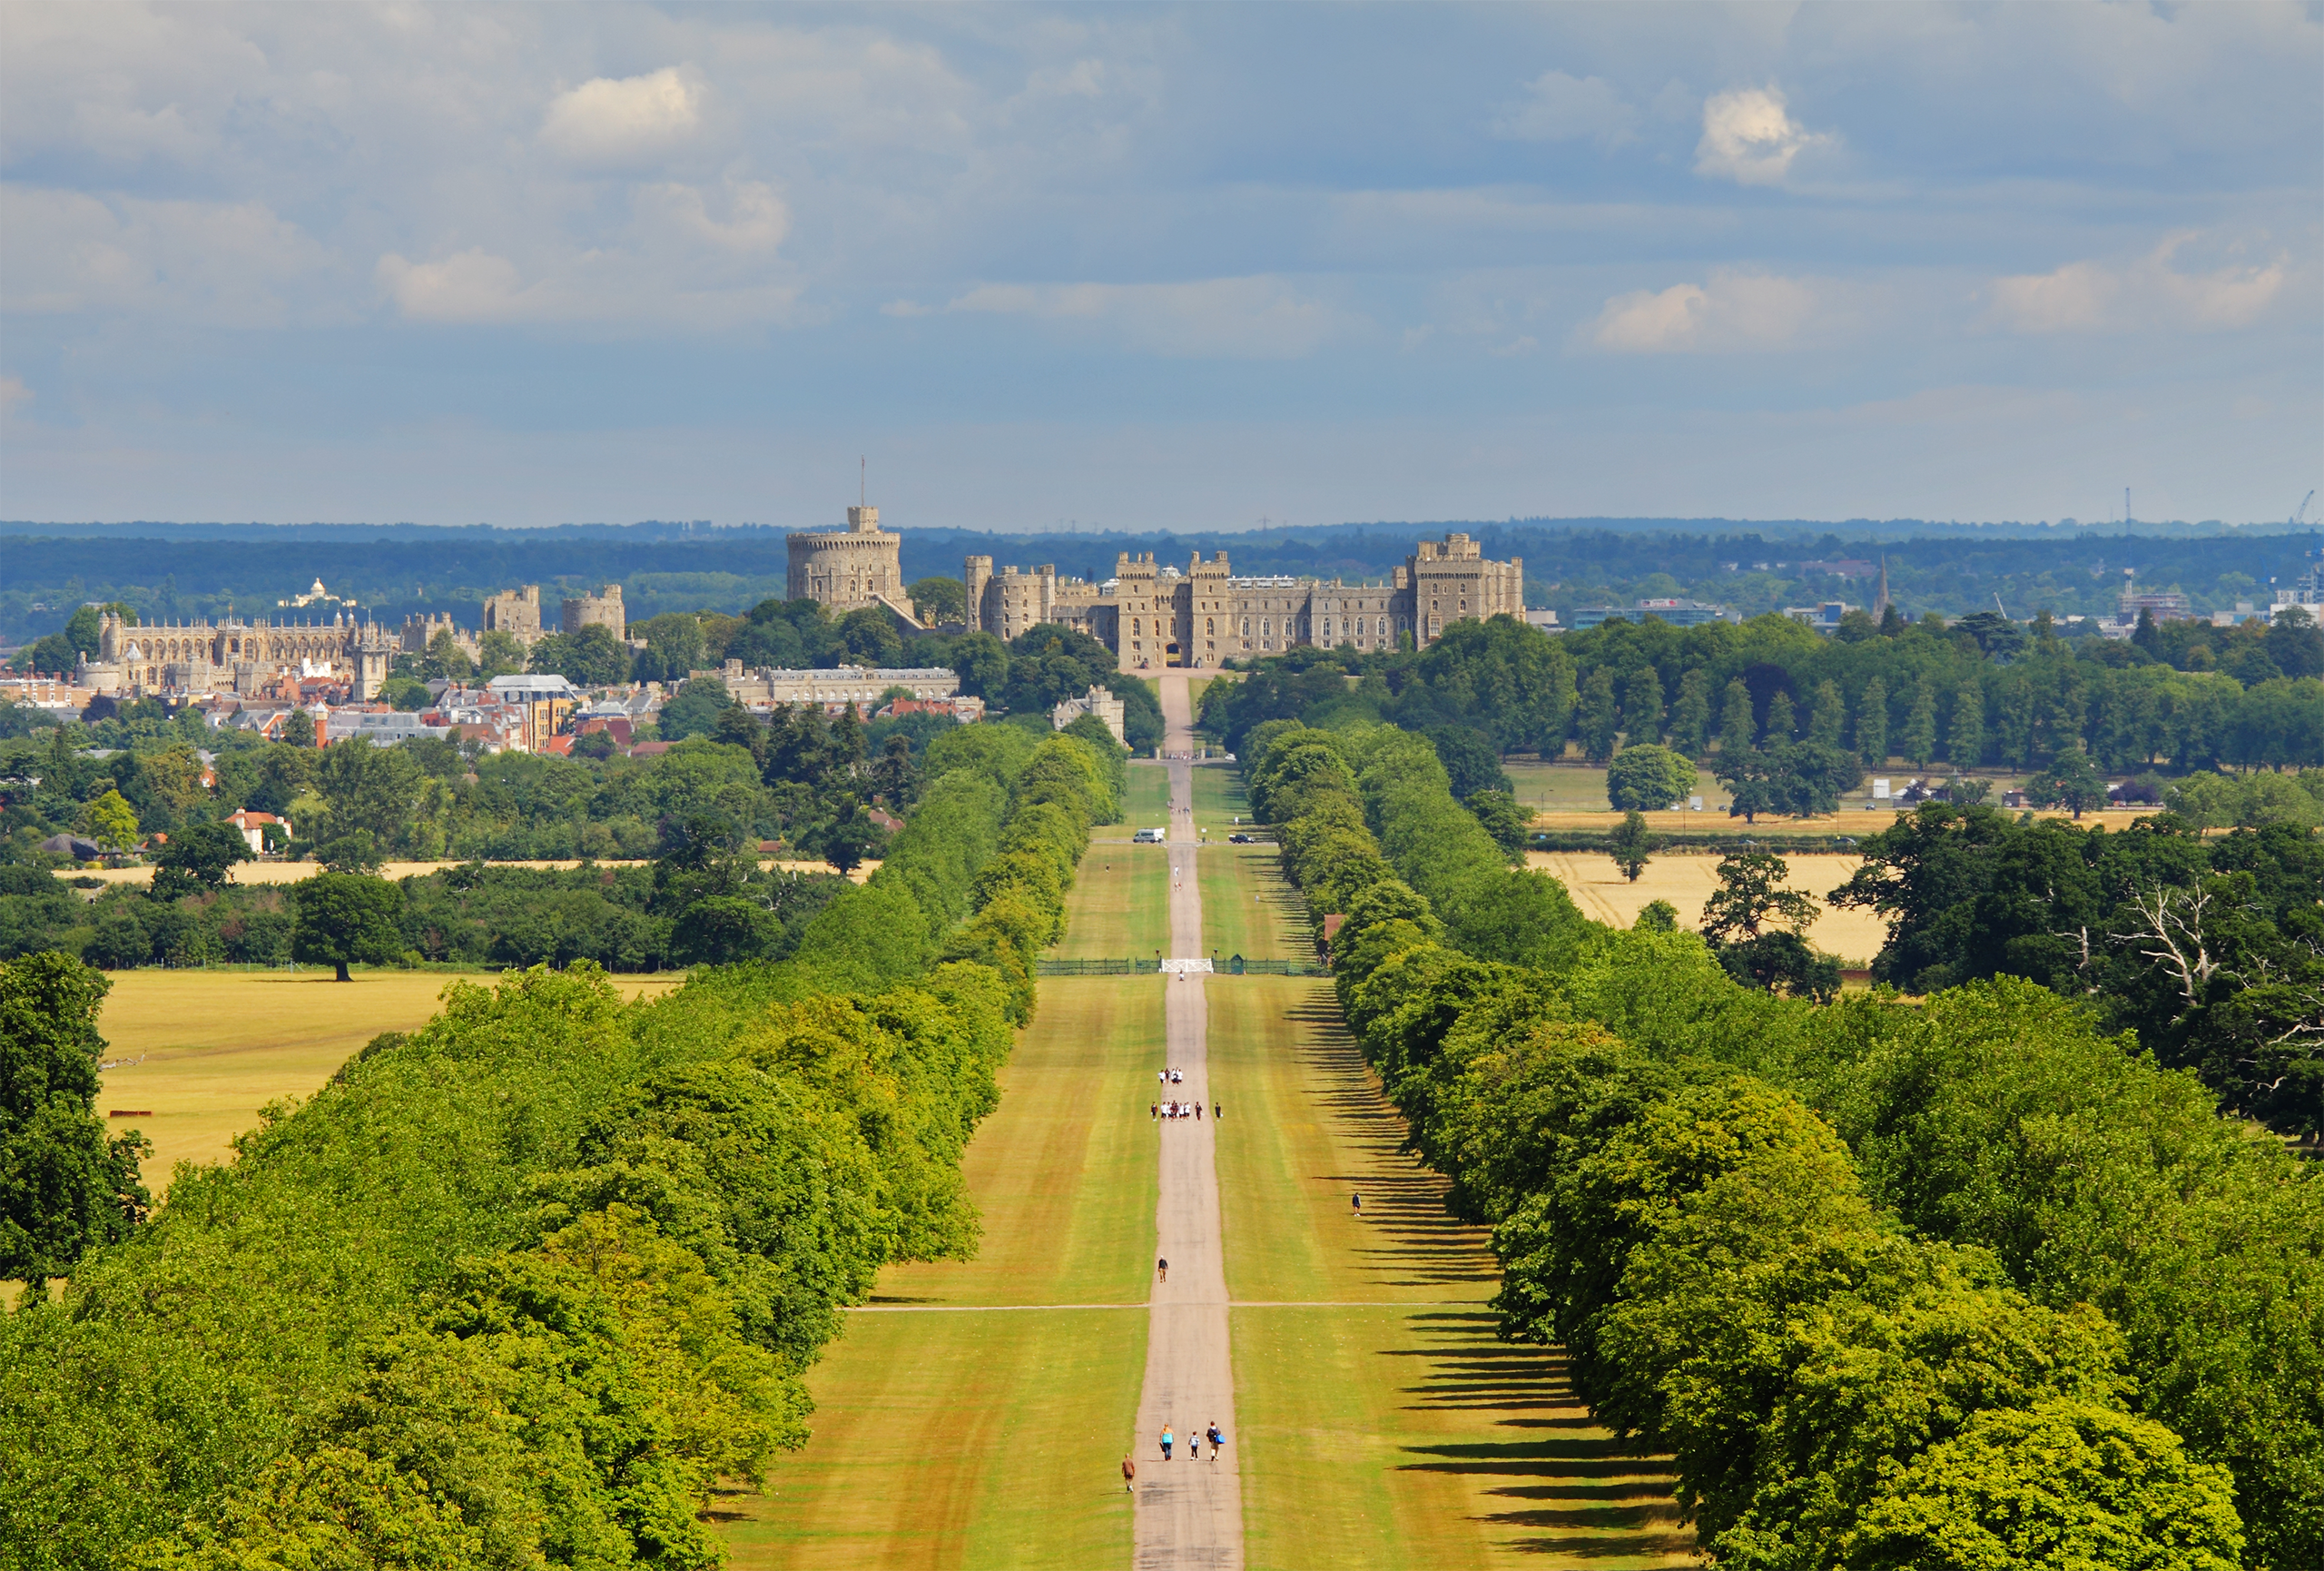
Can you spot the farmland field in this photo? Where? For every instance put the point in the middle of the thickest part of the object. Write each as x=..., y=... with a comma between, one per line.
x=211, y=1048
x=1602, y=891
x=292, y=872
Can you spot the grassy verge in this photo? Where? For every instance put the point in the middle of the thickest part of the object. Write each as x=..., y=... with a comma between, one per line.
x=1120, y=901
x=1246, y=909
x=1383, y=1423
x=946, y=1436
x=1147, y=803
x=1219, y=799
x=213, y=1047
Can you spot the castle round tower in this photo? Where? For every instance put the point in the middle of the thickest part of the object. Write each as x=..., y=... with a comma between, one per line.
x=849, y=567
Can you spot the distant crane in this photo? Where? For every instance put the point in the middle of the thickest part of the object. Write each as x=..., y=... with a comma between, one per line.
x=2302, y=512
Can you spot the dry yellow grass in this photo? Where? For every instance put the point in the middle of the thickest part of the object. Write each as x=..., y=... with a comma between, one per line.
x=1686, y=881
x=210, y=1048
x=292, y=871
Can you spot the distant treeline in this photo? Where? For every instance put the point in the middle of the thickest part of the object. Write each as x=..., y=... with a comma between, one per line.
x=187, y=571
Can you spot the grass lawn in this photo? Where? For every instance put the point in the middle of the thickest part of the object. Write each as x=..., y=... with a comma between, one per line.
x=1119, y=905
x=1686, y=881
x=218, y=1046
x=1383, y=1423
x=1247, y=908
x=963, y=1438
x=1219, y=799
x=1148, y=805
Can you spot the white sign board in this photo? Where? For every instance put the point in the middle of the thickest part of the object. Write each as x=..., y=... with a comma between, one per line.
x=1880, y=790
x=1695, y=803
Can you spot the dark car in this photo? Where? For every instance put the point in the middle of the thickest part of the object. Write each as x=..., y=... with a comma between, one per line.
x=1242, y=840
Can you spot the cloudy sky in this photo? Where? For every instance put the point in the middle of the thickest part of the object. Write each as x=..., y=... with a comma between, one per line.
x=1158, y=266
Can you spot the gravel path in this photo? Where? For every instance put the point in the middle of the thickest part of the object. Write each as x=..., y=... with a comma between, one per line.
x=1189, y=1512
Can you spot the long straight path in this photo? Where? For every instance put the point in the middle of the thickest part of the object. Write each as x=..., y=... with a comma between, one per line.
x=1189, y=1512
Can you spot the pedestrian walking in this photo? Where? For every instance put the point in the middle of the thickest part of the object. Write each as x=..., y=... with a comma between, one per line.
x=1355, y=1205
x=1166, y=1442
x=1153, y=1110
x=1129, y=1476
x=1216, y=1440
x=1214, y=1113
x=1194, y=1448
x=1197, y=1112
x=1162, y=1268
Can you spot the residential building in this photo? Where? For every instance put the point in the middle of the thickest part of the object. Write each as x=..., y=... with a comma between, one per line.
x=543, y=702
x=1098, y=702
x=254, y=828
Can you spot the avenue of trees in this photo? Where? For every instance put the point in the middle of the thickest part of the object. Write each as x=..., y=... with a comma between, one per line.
x=519, y=1287
x=1959, y=1283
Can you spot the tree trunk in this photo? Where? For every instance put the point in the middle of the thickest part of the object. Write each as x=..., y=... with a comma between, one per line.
x=342, y=971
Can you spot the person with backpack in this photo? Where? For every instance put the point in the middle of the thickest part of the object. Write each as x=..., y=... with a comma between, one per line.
x=1216, y=1440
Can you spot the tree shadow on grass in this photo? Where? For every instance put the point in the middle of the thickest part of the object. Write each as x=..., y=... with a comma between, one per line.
x=1568, y=1485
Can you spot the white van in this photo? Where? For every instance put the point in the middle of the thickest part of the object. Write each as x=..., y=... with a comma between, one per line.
x=1149, y=837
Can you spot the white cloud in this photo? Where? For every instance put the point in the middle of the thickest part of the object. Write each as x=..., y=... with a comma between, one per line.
x=472, y=286
x=614, y=122
x=756, y=219
x=1750, y=137
x=1211, y=318
x=1561, y=108
x=2146, y=293
x=227, y=263
x=14, y=395
x=1730, y=312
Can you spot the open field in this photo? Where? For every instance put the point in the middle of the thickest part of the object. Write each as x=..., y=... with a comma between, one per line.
x=1246, y=910
x=292, y=871
x=948, y=1436
x=1383, y=1423
x=1686, y=881
x=216, y=1046
x=1148, y=803
x=1219, y=800
x=1119, y=902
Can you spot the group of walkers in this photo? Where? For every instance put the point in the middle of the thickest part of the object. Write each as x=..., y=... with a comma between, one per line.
x=1176, y=1108
x=1215, y=1435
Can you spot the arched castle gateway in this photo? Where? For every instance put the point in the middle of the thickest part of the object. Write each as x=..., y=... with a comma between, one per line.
x=206, y=657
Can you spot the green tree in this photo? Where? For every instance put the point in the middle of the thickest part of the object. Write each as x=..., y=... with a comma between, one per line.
x=446, y=659
x=1872, y=724
x=1690, y=714
x=110, y=820
x=1751, y=897
x=65, y=1187
x=1599, y=721
x=1469, y=760
x=1965, y=739
x=498, y=654
x=346, y=917
x=1826, y=716
x=938, y=598
x=1919, y=740
x=693, y=710
x=1509, y=824
x=1641, y=707
x=592, y=657
x=1656, y=917
x=298, y=729
x=2062, y=1483
x=1783, y=721
x=374, y=789
x=2072, y=781
x=1631, y=844
x=981, y=662
x=354, y=852
x=1648, y=778
x=197, y=858
x=1737, y=731
x=850, y=837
